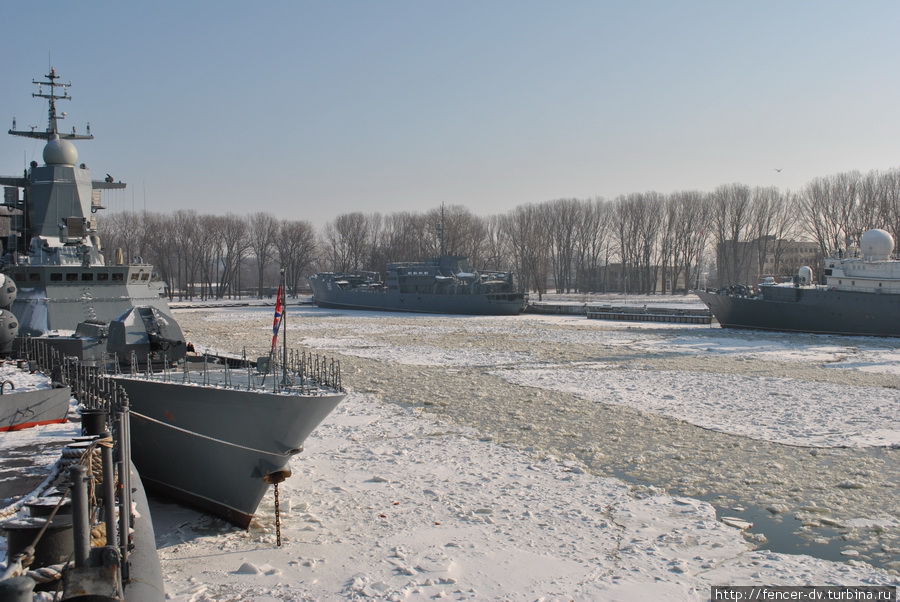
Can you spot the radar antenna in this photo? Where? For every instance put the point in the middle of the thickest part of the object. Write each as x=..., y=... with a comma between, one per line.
x=53, y=117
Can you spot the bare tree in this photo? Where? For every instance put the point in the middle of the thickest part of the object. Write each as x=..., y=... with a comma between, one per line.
x=828, y=205
x=234, y=233
x=496, y=244
x=463, y=232
x=296, y=249
x=346, y=241
x=889, y=202
x=594, y=244
x=528, y=241
x=731, y=218
x=565, y=217
x=263, y=231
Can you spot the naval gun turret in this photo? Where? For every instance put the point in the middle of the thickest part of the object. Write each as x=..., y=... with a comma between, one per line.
x=146, y=332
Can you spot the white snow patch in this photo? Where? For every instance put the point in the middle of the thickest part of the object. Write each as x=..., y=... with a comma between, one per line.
x=774, y=409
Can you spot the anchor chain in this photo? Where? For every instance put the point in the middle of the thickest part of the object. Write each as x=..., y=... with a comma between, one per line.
x=274, y=478
x=277, y=518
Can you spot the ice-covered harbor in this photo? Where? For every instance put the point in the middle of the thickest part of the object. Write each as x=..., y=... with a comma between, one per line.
x=557, y=457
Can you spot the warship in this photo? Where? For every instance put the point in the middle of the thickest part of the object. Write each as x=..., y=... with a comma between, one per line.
x=859, y=295
x=223, y=431
x=444, y=285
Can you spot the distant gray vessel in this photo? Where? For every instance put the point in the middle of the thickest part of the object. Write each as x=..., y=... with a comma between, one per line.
x=860, y=296
x=445, y=285
x=212, y=436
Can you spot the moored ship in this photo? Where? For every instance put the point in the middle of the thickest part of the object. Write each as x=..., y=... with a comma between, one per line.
x=860, y=296
x=446, y=285
x=213, y=437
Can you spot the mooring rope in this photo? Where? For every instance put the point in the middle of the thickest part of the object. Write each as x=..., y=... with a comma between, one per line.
x=68, y=456
x=46, y=574
x=290, y=452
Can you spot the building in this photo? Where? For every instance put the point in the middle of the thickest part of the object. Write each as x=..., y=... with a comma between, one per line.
x=740, y=262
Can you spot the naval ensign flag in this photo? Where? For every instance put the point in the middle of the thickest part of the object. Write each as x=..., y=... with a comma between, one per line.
x=279, y=313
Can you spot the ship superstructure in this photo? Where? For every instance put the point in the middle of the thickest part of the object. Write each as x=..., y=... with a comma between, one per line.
x=860, y=295
x=53, y=251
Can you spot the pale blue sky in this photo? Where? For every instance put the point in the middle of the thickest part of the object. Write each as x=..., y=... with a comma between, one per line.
x=312, y=109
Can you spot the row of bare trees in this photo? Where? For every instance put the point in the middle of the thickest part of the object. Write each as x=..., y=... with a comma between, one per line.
x=205, y=255
x=642, y=242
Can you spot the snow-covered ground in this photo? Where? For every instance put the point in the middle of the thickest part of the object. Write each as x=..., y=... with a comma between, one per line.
x=489, y=475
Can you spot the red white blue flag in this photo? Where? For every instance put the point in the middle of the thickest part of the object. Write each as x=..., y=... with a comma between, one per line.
x=279, y=314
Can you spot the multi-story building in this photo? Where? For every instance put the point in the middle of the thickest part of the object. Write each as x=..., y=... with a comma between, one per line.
x=749, y=262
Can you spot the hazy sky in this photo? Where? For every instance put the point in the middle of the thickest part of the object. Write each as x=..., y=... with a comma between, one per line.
x=312, y=109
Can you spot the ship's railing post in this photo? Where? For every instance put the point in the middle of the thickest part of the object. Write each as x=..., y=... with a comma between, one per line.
x=109, y=493
x=122, y=416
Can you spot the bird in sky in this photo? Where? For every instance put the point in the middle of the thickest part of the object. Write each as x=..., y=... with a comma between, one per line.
x=778, y=169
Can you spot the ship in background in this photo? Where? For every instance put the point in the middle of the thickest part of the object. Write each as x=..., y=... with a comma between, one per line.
x=443, y=285
x=860, y=296
x=215, y=433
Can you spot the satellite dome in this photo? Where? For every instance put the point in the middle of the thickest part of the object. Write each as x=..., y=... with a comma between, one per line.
x=877, y=245
x=60, y=152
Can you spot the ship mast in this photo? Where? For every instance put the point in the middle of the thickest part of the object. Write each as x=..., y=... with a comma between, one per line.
x=440, y=230
x=53, y=117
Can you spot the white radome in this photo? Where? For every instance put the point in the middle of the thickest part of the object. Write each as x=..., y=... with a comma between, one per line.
x=60, y=152
x=877, y=245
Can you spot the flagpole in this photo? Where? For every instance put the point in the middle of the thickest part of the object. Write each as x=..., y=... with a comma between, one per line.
x=284, y=330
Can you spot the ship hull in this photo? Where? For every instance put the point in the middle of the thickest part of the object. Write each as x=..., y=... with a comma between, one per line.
x=211, y=448
x=27, y=409
x=484, y=304
x=804, y=309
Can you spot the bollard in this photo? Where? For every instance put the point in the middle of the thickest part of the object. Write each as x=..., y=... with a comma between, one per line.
x=17, y=589
x=81, y=528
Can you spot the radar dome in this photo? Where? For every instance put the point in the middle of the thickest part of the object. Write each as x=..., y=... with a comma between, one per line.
x=8, y=291
x=877, y=245
x=805, y=274
x=60, y=152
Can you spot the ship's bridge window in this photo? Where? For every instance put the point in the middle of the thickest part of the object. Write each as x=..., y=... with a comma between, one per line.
x=34, y=277
x=72, y=277
x=57, y=277
x=103, y=276
x=145, y=276
x=20, y=276
x=118, y=277
x=87, y=276
x=134, y=276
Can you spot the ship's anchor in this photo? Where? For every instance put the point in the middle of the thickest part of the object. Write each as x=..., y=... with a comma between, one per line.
x=273, y=478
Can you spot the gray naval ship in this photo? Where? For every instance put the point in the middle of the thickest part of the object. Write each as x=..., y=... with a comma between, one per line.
x=445, y=285
x=860, y=296
x=212, y=432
